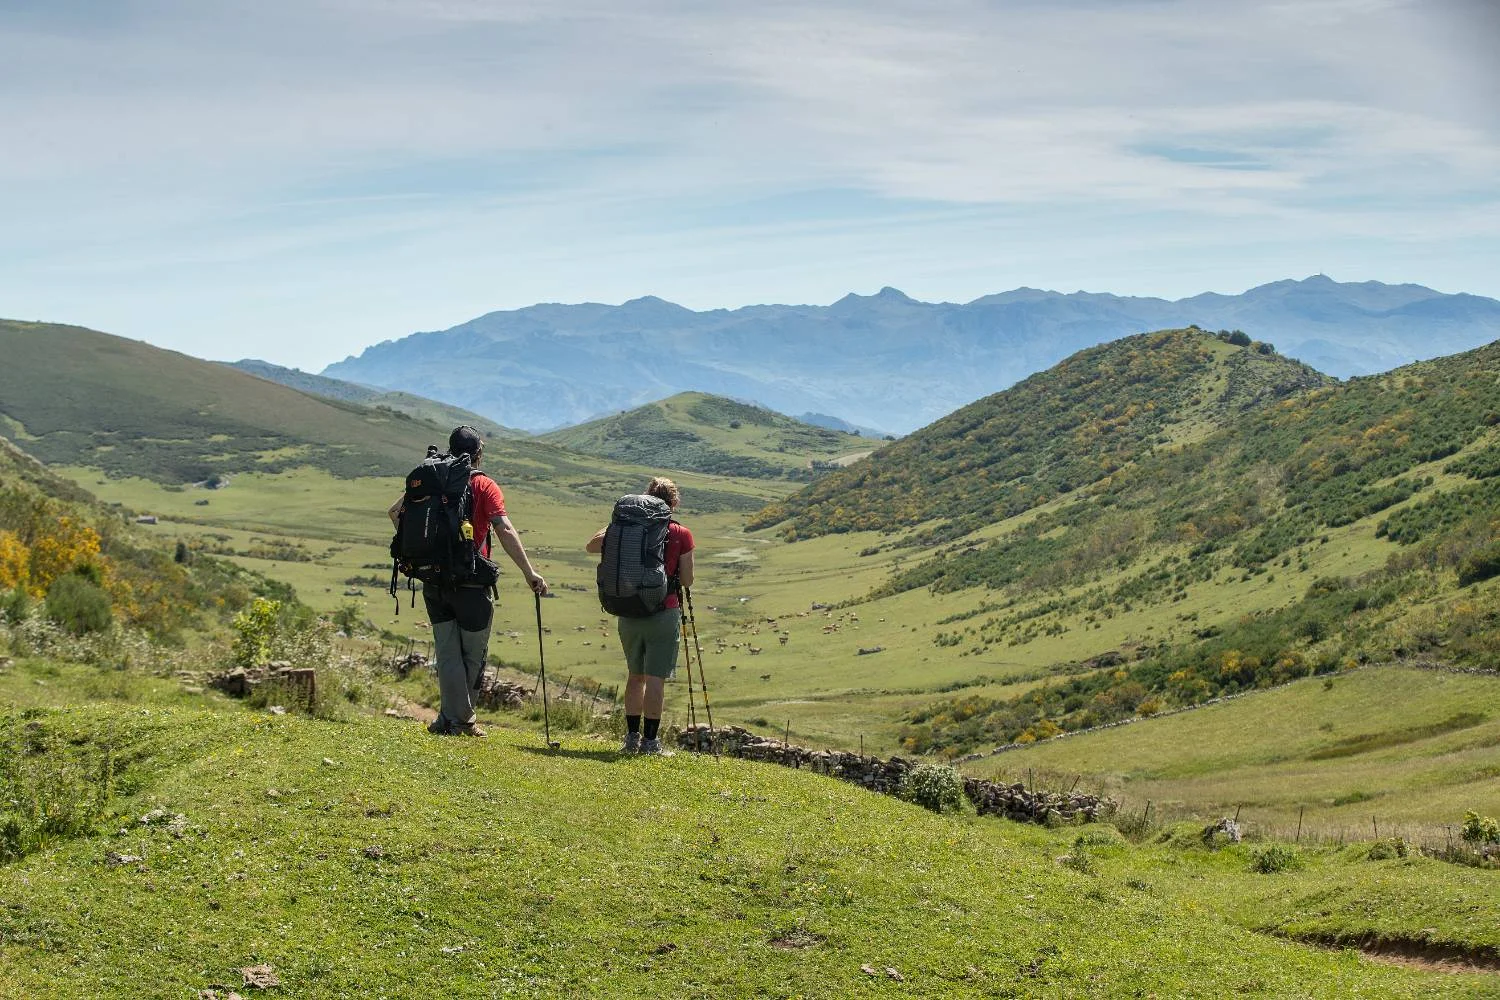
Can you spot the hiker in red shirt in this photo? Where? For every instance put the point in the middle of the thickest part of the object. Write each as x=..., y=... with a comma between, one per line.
x=461, y=615
x=651, y=643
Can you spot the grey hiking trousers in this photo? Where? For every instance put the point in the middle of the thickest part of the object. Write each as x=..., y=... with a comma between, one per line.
x=461, y=618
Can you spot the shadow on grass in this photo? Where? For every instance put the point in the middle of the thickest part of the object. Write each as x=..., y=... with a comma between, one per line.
x=602, y=756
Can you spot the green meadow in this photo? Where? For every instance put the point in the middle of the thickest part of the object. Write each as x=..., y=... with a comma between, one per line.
x=1378, y=751
x=365, y=858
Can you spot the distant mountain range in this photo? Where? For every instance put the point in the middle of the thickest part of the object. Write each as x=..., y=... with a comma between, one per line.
x=885, y=360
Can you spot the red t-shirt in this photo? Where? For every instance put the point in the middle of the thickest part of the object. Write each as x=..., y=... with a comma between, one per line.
x=489, y=504
x=679, y=540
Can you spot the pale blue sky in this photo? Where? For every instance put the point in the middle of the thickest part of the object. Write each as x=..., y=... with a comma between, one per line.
x=297, y=179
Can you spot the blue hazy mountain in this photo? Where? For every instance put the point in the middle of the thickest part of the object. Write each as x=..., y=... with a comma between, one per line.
x=883, y=360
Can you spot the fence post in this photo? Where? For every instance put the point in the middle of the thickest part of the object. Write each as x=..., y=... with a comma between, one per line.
x=1300, y=810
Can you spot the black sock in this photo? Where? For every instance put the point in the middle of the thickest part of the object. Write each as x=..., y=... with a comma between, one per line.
x=632, y=723
x=652, y=725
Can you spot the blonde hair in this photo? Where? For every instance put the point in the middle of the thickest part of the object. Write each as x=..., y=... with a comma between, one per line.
x=664, y=489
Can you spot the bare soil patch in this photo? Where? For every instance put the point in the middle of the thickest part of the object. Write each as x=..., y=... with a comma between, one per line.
x=1412, y=953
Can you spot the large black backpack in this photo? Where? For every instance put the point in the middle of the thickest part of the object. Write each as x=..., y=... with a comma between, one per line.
x=430, y=544
x=632, y=572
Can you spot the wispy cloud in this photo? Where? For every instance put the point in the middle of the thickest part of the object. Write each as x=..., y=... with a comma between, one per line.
x=300, y=177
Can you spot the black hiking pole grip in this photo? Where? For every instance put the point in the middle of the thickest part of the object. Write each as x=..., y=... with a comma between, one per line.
x=541, y=652
x=713, y=739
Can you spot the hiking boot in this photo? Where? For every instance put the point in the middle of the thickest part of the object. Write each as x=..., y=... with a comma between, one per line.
x=632, y=743
x=472, y=729
x=655, y=748
x=438, y=727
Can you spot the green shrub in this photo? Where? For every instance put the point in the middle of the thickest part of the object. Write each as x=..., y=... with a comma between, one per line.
x=1480, y=829
x=255, y=629
x=1480, y=566
x=79, y=604
x=934, y=786
x=56, y=783
x=576, y=716
x=1389, y=848
x=1102, y=835
x=1273, y=859
x=349, y=617
x=15, y=606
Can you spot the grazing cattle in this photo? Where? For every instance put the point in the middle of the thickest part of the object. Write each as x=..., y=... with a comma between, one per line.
x=765, y=677
x=784, y=639
x=755, y=650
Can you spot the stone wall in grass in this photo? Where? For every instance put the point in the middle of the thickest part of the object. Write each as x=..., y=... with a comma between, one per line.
x=887, y=776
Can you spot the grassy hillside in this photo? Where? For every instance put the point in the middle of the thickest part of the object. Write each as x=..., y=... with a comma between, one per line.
x=90, y=567
x=1068, y=427
x=367, y=858
x=1398, y=468
x=697, y=432
x=76, y=396
x=1409, y=749
x=430, y=410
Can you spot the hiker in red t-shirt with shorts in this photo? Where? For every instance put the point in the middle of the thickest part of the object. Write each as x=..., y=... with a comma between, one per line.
x=651, y=643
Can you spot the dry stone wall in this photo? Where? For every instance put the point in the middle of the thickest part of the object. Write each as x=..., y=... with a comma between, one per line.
x=889, y=775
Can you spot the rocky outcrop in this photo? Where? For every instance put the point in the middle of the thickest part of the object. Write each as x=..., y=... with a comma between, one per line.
x=494, y=693
x=300, y=683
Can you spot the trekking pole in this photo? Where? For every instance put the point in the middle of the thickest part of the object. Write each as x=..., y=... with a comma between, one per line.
x=541, y=652
x=687, y=594
x=692, y=709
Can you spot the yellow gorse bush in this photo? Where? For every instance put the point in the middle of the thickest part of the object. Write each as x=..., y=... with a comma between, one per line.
x=15, y=561
x=60, y=545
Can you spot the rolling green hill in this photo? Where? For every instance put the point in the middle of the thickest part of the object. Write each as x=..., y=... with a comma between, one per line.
x=697, y=432
x=1398, y=471
x=430, y=410
x=76, y=396
x=1068, y=427
x=86, y=399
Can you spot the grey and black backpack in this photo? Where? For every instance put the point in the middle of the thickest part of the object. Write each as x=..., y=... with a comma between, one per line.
x=632, y=574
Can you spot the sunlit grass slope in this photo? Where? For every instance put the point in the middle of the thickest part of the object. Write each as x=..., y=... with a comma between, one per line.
x=369, y=859
x=74, y=396
x=90, y=398
x=1409, y=749
x=1072, y=425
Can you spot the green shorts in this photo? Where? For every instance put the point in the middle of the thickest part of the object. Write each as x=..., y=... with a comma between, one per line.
x=650, y=644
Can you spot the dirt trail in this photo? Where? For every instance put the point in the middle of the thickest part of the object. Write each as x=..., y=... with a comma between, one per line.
x=1411, y=953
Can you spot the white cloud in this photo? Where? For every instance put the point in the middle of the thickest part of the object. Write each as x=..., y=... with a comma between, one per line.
x=323, y=148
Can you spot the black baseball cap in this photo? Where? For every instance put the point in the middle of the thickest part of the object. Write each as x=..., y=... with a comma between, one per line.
x=464, y=440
